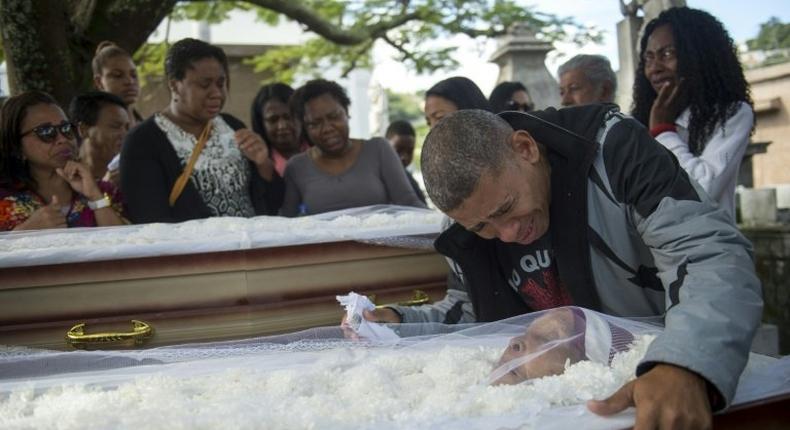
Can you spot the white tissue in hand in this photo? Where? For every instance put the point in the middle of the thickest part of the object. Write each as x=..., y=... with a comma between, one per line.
x=355, y=304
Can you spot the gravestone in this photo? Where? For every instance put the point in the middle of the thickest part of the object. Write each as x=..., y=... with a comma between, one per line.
x=522, y=57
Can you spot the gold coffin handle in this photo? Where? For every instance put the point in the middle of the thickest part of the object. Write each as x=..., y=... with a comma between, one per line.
x=141, y=331
x=419, y=297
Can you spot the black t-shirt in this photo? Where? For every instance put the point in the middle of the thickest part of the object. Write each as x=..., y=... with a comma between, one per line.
x=532, y=272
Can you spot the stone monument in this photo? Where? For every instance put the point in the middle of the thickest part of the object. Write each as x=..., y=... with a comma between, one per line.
x=378, y=116
x=522, y=57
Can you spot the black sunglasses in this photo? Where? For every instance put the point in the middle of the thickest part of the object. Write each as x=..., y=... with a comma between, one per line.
x=524, y=107
x=48, y=132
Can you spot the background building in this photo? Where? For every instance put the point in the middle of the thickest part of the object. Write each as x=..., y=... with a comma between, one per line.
x=771, y=95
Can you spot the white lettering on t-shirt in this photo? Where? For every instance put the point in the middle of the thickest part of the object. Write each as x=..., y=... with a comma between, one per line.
x=514, y=281
x=530, y=263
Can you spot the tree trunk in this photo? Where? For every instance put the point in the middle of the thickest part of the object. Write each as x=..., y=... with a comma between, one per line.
x=36, y=43
x=49, y=44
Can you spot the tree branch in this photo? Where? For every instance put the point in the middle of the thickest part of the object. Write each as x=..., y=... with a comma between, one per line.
x=307, y=16
x=399, y=47
x=143, y=16
x=359, y=53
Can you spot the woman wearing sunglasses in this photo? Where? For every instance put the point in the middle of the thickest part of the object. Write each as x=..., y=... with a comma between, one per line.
x=508, y=96
x=190, y=161
x=41, y=186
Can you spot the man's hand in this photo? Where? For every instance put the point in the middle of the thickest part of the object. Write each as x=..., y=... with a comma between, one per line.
x=666, y=397
x=379, y=315
x=382, y=315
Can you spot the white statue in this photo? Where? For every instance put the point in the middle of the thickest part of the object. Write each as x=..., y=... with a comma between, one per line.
x=378, y=117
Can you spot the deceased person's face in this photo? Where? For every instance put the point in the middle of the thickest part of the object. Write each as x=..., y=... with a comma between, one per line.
x=544, y=348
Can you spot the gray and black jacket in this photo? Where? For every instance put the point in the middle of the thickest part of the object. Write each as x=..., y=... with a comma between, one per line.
x=653, y=243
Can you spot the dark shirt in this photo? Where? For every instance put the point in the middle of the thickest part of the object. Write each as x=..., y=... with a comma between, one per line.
x=531, y=271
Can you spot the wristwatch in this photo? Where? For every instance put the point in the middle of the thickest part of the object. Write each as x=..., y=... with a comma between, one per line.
x=101, y=203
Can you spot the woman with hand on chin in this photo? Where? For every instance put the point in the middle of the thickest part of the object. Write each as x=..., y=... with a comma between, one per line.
x=41, y=186
x=190, y=161
x=691, y=93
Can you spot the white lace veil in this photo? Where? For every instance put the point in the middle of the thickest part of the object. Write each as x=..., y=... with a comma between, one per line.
x=434, y=376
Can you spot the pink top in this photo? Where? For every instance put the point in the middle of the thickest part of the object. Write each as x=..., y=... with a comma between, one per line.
x=280, y=161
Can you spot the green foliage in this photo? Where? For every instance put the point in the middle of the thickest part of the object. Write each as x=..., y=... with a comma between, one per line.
x=408, y=106
x=421, y=128
x=774, y=39
x=309, y=59
x=774, y=34
x=415, y=40
x=267, y=16
x=150, y=60
x=404, y=106
x=414, y=28
x=212, y=12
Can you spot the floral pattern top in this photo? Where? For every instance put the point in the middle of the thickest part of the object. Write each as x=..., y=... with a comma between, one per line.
x=221, y=173
x=17, y=204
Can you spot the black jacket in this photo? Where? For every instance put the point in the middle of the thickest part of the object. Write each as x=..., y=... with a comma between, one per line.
x=632, y=236
x=150, y=167
x=570, y=155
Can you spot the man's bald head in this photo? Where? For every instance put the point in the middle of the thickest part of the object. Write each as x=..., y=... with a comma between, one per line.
x=458, y=150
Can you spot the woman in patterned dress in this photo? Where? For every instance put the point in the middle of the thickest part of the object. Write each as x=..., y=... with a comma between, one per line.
x=41, y=186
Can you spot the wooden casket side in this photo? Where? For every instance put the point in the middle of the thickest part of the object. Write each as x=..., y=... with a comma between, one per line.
x=210, y=296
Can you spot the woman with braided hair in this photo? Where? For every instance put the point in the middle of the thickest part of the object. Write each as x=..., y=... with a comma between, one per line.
x=691, y=92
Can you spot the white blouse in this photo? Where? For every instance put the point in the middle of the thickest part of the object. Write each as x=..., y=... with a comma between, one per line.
x=716, y=169
x=221, y=173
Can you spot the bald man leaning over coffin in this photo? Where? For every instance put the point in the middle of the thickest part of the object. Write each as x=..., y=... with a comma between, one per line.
x=581, y=206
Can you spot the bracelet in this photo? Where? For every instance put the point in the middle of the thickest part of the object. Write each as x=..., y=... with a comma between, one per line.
x=101, y=203
x=661, y=128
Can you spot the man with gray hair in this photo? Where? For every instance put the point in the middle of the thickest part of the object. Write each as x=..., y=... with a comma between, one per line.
x=580, y=206
x=587, y=79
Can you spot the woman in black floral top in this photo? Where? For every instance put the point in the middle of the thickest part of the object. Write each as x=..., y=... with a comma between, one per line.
x=233, y=175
